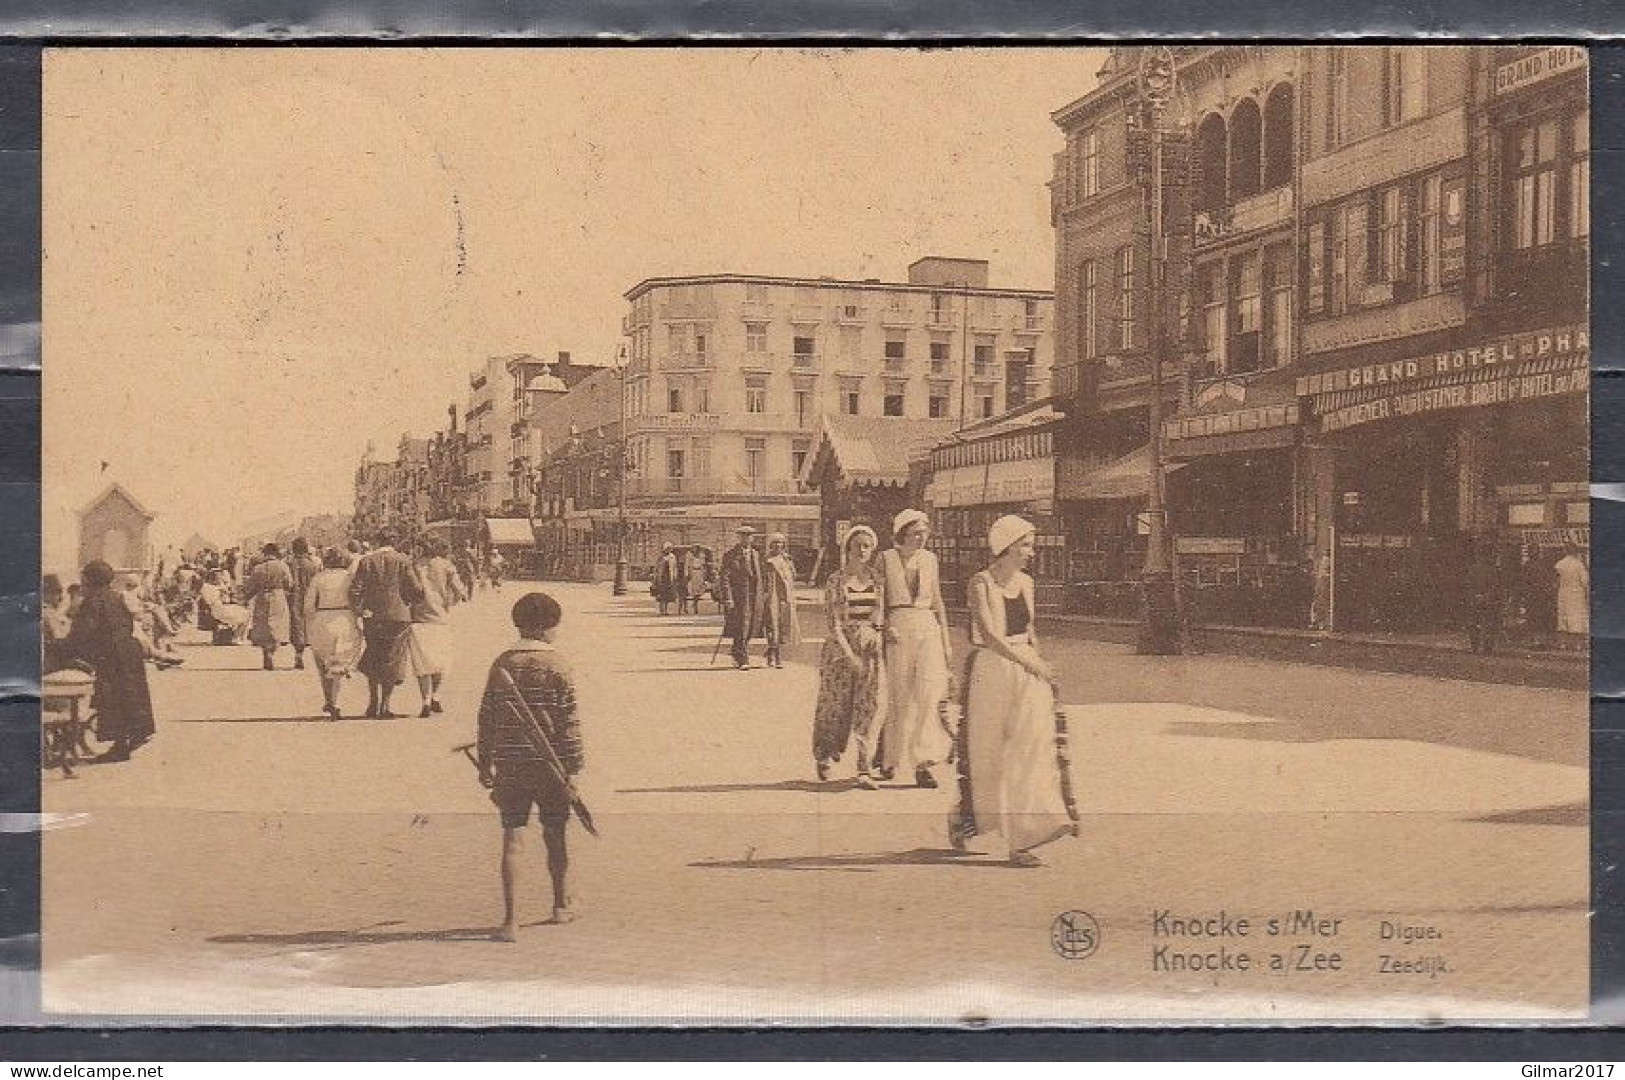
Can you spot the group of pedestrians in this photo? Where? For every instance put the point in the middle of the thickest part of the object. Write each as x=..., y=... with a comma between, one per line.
x=683, y=576
x=885, y=680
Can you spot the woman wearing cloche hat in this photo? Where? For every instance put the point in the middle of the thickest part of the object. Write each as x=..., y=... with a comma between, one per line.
x=917, y=652
x=1010, y=766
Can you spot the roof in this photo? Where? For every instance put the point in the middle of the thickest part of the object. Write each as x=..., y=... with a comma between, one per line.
x=874, y=449
x=1031, y=415
x=118, y=489
x=510, y=532
x=830, y=283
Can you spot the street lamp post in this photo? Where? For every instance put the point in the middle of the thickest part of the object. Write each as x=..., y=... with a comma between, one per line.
x=1160, y=629
x=619, y=588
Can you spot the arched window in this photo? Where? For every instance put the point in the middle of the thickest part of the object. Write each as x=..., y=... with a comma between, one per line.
x=1246, y=145
x=1210, y=158
x=1278, y=137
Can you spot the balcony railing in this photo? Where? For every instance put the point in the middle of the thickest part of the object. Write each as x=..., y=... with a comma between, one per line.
x=942, y=317
x=904, y=316
x=685, y=360
x=1262, y=211
x=804, y=361
x=850, y=313
x=688, y=311
x=1029, y=324
x=896, y=365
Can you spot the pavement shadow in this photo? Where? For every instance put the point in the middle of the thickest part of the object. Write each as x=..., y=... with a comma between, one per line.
x=256, y=720
x=824, y=786
x=718, y=666
x=356, y=937
x=1572, y=814
x=862, y=864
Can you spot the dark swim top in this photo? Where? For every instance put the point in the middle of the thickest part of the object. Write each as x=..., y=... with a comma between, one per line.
x=1016, y=617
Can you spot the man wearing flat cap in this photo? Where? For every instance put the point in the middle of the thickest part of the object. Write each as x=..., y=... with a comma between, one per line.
x=742, y=594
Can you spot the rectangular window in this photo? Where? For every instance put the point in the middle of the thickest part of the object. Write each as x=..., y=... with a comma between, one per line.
x=1016, y=372
x=1579, y=195
x=942, y=309
x=803, y=351
x=982, y=358
x=1404, y=84
x=699, y=347
x=1357, y=231
x=1338, y=265
x=937, y=405
x=1089, y=164
x=1088, y=311
x=702, y=396
x=987, y=406
x=896, y=346
x=892, y=405
x=755, y=460
x=1535, y=154
x=1337, y=95
x=940, y=357
x=1210, y=292
x=677, y=340
x=1278, y=301
x=674, y=399
x=674, y=464
x=755, y=294
x=756, y=393
x=1246, y=314
x=1125, y=298
x=850, y=397
x=799, y=449
x=700, y=458
x=756, y=337
x=803, y=405
x=1430, y=232
x=1391, y=222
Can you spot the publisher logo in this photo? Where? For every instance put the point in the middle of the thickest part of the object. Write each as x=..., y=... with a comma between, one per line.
x=1074, y=935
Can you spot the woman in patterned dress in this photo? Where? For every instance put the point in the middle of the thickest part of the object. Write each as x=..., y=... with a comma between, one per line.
x=851, y=685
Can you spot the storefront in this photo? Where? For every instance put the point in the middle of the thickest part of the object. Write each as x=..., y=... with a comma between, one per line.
x=1423, y=458
x=972, y=485
x=1234, y=510
x=1103, y=509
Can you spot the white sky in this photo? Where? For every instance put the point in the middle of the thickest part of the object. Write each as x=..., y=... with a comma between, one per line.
x=258, y=260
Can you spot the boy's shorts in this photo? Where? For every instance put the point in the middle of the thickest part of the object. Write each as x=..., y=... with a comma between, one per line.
x=515, y=795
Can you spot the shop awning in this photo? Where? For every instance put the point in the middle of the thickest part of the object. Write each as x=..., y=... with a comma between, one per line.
x=510, y=532
x=1028, y=480
x=1129, y=477
x=1234, y=415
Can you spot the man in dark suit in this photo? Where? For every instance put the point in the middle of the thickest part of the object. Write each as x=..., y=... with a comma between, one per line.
x=741, y=589
x=382, y=592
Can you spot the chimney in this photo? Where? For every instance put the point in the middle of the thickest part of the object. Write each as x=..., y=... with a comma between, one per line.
x=564, y=358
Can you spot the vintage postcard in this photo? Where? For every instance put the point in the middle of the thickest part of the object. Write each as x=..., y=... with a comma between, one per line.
x=869, y=535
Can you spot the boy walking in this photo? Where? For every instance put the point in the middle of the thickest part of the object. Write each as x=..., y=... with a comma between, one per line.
x=529, y=749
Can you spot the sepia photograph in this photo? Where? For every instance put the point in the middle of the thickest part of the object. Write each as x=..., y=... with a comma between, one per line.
x=616, y=535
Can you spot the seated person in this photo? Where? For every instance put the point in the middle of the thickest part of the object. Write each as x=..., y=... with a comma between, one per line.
x=148, y=628
x=212, y=595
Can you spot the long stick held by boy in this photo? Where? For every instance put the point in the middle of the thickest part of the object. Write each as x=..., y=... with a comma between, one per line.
x=529, y=751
